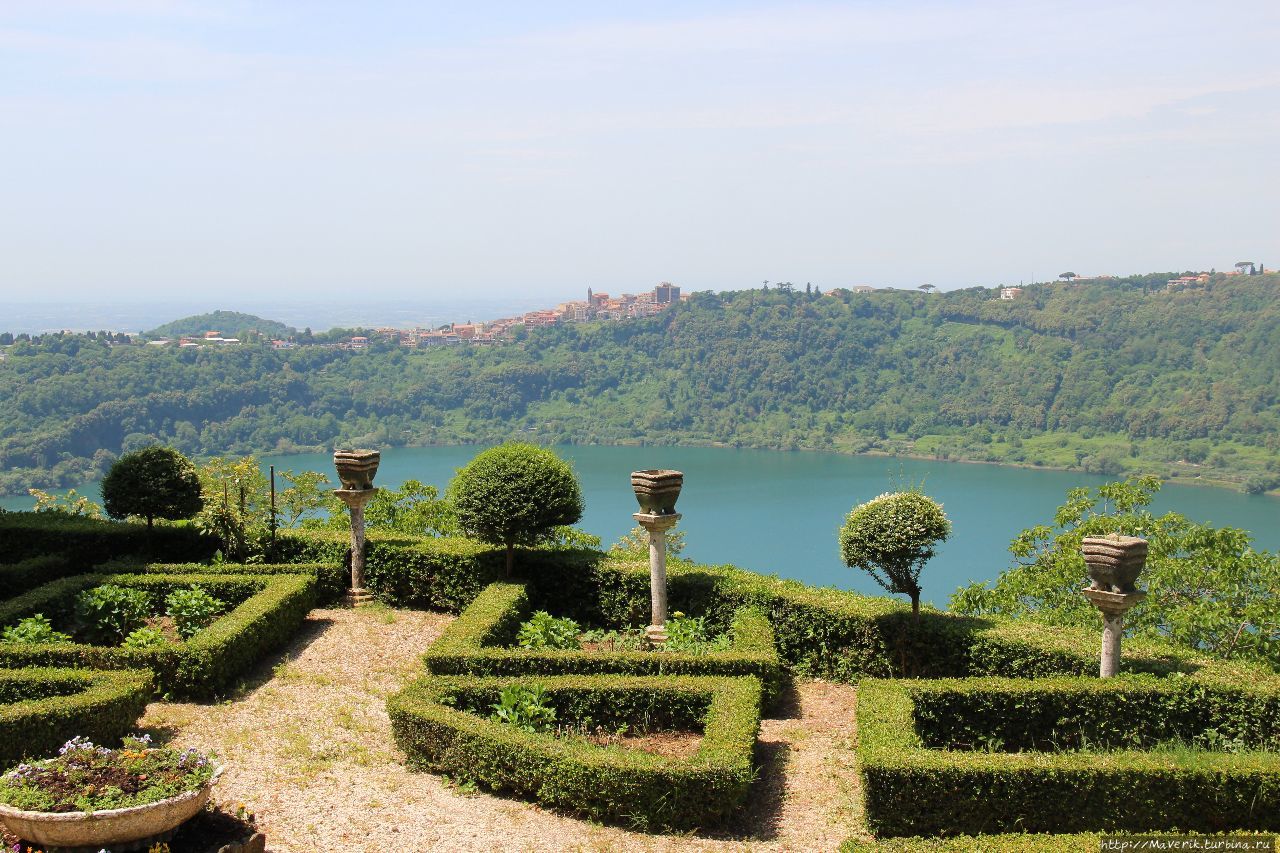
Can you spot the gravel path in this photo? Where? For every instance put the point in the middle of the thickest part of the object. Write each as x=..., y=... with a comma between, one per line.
x=309, y=749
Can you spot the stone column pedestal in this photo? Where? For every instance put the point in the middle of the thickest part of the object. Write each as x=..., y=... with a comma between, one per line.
x=355, y=499
x=657, y=526
x=1113, y=605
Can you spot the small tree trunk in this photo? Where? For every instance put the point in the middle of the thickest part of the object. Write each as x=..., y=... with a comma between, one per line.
x=148, y=522
x=915, y=605
x=511, y=558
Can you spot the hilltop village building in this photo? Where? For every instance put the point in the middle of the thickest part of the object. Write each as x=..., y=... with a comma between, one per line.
x=597, y=306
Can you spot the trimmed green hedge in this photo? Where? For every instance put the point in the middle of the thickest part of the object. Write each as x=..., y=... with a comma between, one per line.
x=631, y=787
x=477, y=643
x=41, y=709
x=332, y=579
x=17, y=578
x=912, y=789
x=432, y=574
x=1064, y=713
x=820, y=632
x=87, y=542
x=269, y=611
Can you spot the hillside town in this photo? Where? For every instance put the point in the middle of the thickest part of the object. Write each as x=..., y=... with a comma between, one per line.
x=597, y=306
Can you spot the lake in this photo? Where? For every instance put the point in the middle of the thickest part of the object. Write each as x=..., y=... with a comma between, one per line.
x=778, y=512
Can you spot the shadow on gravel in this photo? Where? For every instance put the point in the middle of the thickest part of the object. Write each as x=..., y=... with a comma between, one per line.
x=264, y=671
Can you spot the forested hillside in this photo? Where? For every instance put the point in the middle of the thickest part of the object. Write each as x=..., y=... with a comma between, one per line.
x=1106, y=376
x=230, y=323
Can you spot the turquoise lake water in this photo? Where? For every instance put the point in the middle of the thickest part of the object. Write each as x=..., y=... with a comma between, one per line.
x=778, y=512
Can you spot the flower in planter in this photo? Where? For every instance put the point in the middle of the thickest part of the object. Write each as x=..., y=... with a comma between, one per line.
x=87, y=777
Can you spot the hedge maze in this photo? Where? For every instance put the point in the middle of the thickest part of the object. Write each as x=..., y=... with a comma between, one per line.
x=268, y=610
x=51, y=691
x=441, y=722
x=967, y=726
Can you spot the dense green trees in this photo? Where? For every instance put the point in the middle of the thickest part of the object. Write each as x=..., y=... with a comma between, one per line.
x=154, y=482
x=1111, y=376
x=1207, y=587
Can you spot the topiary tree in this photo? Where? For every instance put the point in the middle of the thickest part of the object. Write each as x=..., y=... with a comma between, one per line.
x=515, y=494
x=154, y=482
x=891, y=538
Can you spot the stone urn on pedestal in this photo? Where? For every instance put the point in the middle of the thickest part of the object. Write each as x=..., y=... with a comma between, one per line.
x=356, y=470
x=656, y=492
x=1114, y=564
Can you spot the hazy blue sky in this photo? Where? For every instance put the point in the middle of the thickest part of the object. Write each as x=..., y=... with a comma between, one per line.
x=410, y=150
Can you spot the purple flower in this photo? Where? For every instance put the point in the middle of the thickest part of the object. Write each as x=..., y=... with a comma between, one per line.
x=75, y=743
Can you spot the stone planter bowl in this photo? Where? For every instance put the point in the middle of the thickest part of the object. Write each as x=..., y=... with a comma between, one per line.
x=657, y=490
x=1115, y=561
x=356, y=468
x=120, y=829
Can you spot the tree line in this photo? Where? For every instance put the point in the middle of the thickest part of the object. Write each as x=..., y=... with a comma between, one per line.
x=1109, y=376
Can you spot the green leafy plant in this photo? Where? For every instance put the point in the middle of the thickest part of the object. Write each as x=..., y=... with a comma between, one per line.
x=636, y=543
x=891, y=537
x=34, y=629
x=68, y=504
x=1207, y=588
x=525, y=707
x=544, y=631
x=192, y=609
x=108, y=613
x=689, y=634
x=146, y=637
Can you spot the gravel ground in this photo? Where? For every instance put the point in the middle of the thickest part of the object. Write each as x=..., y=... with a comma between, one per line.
x=309, y=749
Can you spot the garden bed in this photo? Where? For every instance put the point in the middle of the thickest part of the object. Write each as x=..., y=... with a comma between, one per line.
x=480, y=642
x=445, y=724
x=954, y=757
x=263, y=611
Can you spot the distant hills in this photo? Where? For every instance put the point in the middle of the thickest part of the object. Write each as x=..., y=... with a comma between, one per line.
x=232, y=324
x=1163, y=373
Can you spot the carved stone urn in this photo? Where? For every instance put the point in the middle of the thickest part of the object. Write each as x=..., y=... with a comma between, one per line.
x=356, y=468
x=657, y=490
x=1114, y=561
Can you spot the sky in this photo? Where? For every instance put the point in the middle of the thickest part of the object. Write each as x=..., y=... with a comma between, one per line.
x=151, y=149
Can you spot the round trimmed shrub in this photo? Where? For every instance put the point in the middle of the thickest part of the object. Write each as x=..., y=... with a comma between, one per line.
x=154, y=482
x=891, y=537
x=515, y=494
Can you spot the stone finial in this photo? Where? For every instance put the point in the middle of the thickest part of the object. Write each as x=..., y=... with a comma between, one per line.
x=657, y=490
x=356, y=468
x=1114, y=561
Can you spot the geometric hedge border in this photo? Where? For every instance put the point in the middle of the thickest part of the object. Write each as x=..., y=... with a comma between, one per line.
x=911, y=790
x=273, y=609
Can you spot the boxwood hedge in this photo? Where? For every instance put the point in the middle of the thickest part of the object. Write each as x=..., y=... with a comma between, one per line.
x=478, y=643
x=42, y=708
x=825, y=633
x=636, y=788
x=912, y=788
x=17, y=578
x=332, y=580
x=433, y=574
x=268, y=611
x=86, y=542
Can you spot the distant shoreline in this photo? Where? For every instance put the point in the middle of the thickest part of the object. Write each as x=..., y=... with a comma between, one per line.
x=1207, y=481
